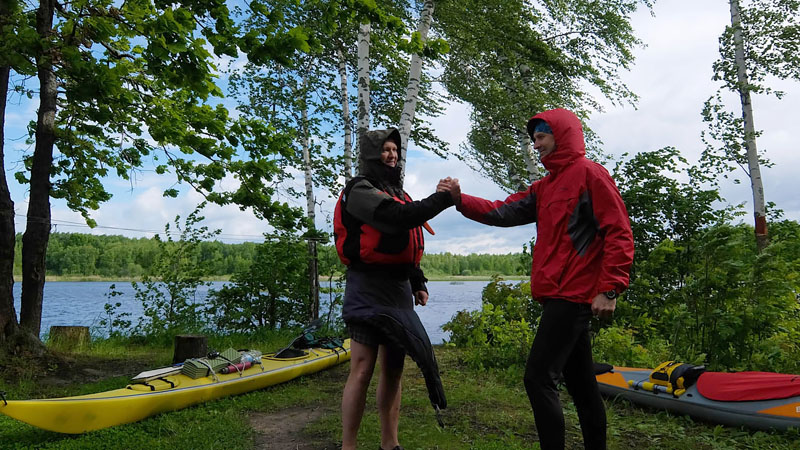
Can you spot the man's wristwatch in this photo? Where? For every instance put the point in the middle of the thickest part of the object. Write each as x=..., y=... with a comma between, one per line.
x=611, y=295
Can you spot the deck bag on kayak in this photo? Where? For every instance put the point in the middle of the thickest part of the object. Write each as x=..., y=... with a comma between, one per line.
x=748, y=386
x=294, y=349
x=202, y=367
x=298, y=349
x=675, y=376
x=309, y=339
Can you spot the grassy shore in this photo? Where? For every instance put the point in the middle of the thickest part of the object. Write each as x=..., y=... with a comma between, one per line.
x=487, y=410
x=458, y=278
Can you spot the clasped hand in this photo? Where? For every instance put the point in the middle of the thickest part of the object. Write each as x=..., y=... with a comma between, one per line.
x=450, y=185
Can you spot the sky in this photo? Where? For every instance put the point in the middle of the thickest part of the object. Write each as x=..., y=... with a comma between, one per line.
x=671, y=76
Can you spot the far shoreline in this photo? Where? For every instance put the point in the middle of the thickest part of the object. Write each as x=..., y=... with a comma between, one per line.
x=97, y=278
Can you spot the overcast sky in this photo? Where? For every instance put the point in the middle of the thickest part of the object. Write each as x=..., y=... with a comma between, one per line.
x=671, y=75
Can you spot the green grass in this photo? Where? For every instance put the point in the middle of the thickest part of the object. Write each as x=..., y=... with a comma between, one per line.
x=487, y=410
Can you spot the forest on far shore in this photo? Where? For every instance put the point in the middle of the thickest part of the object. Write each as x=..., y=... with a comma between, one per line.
x=120, y=257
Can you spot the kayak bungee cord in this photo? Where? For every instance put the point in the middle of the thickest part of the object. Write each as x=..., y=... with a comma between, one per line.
x=210, y=368
x=213, y=355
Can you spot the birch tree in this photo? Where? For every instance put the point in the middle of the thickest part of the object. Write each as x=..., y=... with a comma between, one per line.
x=363, y=80
x=369, y=40
x=412, y=91
x=285, y=97
x=760, y=43
x=299, y=96
x=510, y=59
x=347, y=119
x=399, y=64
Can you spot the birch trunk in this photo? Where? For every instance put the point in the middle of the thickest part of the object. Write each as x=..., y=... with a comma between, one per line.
x=517, y=183
x=363, y=81
x=412, y=90
x=759, y=205
x=37, y=231
x=527, y=154
x=313, y=262
x=347, y=121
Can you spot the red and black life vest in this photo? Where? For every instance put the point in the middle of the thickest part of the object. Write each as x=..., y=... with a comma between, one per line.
x=359, y=244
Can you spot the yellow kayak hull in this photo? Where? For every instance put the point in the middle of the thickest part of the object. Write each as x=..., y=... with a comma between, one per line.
x=135, y=402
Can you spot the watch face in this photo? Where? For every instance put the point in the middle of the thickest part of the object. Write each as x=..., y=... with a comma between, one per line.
x=611, y=294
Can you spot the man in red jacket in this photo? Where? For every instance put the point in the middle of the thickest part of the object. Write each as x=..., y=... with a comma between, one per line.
x=581, y=261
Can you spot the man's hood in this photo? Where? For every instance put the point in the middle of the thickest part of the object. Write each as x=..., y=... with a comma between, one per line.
x=369, y=158
x=568, y=134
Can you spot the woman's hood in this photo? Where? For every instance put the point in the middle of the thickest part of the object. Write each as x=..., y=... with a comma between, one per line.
x=369, y=158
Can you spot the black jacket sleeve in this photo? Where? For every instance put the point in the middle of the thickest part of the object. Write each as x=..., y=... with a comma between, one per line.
x=417, y=279
x=412, y=214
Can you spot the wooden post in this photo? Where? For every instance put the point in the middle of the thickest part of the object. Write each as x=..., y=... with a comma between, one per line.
x=189, y=346
x=69, y=337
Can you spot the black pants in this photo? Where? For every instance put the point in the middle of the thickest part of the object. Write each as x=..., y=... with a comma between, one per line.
x=562, y=346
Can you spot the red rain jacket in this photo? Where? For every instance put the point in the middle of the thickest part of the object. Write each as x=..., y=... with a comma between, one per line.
x=584, y=243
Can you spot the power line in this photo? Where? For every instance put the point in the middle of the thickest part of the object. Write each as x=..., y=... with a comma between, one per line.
x=227, y=236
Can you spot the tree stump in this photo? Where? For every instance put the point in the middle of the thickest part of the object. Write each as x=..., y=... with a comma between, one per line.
x=69, y=336
x=189, y=346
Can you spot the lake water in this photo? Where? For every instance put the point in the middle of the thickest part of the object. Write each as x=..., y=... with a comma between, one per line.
x=81, y=303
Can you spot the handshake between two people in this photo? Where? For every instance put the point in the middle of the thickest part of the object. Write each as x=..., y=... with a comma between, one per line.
x=450, y=185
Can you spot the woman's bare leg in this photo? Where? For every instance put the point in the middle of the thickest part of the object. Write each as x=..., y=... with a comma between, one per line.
x=389, y=392
x=362, y=364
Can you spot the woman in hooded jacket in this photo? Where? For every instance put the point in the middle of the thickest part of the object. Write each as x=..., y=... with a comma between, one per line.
x=378, y=232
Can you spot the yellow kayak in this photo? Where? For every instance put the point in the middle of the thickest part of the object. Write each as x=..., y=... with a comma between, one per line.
x=167, y=393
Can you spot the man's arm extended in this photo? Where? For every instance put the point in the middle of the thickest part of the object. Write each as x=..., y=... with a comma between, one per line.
x=516, y=209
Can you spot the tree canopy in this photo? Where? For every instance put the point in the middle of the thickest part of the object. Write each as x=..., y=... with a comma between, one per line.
x=510, y=59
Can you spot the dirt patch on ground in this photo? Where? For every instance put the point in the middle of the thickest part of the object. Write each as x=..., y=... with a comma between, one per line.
x=284, y=430
x=55, y=369
x=66, y=370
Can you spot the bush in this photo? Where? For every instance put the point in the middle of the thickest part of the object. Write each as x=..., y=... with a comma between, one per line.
x=168, y=291
x=273, y=292
x=501, y=333
x=617, y=346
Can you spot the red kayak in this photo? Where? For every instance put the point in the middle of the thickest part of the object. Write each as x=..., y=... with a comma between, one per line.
x=760, y=400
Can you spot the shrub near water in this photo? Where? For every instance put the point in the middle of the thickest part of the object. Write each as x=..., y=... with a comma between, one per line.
x=715, y=300
x=618, y=346
x=712, y=301
x=259, y=297
x=501, y=333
